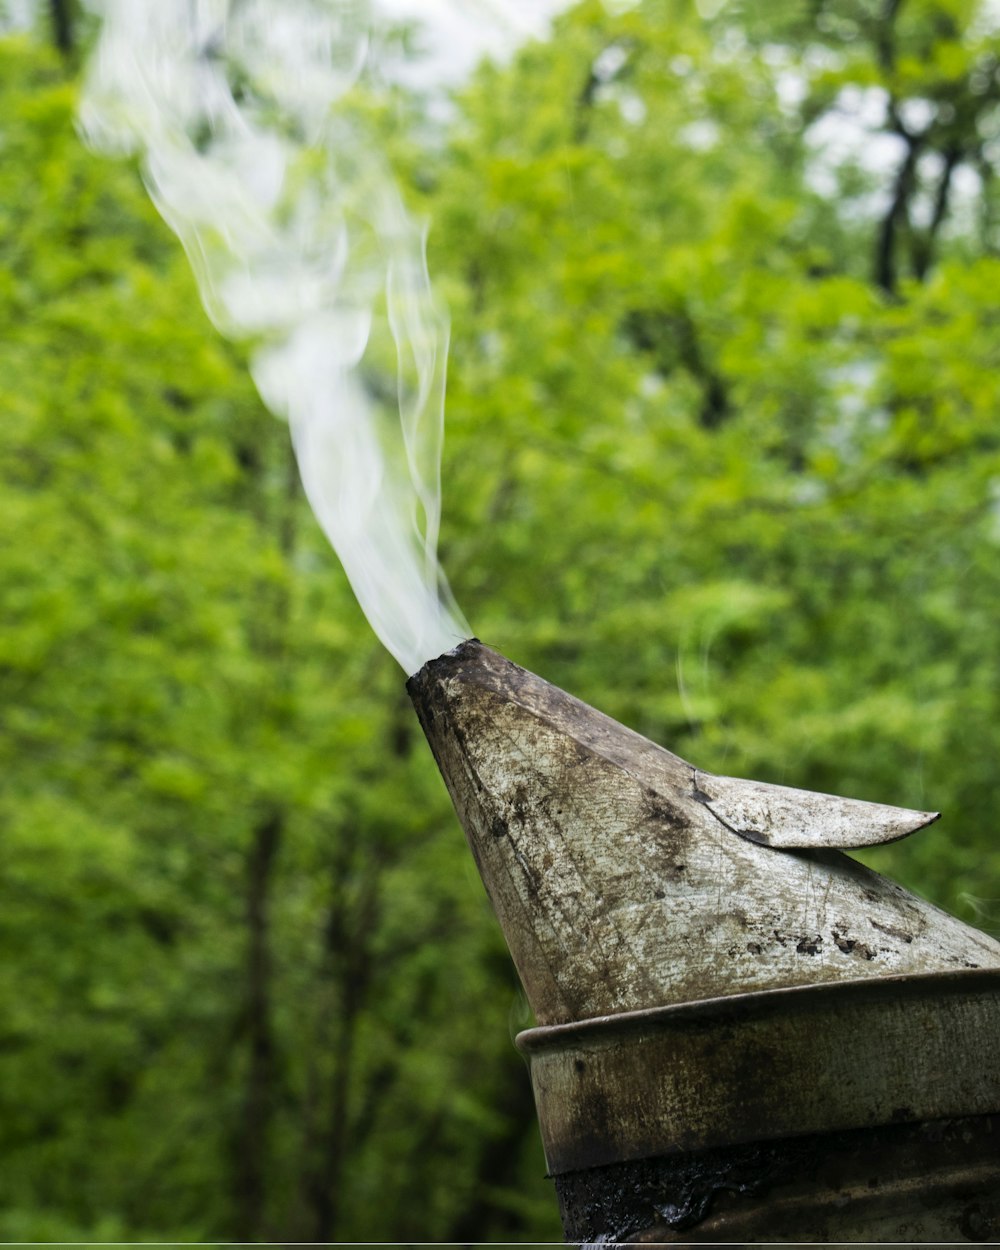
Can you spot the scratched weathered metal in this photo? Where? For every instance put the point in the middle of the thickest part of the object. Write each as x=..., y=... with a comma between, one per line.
x=782, y=817
x=624, y=878
x=758, y=1067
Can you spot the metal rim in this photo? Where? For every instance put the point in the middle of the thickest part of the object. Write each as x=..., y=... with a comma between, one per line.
x=755, y=1067
x=790, y=998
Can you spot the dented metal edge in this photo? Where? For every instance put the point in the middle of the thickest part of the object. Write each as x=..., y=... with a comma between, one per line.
x=764, y=1066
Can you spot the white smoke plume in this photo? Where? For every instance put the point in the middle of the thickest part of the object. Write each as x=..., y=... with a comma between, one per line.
x=240, y=112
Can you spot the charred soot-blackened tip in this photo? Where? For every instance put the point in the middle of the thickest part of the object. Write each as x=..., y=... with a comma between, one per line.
x=440, y=664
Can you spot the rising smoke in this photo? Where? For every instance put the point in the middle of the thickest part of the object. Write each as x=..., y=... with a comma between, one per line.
x=241, y=112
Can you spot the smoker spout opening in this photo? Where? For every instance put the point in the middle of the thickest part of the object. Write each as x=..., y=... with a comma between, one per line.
x=707, y=969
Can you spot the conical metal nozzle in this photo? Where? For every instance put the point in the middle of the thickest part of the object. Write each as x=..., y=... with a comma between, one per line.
x=624, y=878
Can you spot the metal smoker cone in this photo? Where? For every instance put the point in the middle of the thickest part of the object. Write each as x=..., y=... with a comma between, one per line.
x=706, y=967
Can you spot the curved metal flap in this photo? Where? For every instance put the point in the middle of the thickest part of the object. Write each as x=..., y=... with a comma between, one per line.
x=780, y=816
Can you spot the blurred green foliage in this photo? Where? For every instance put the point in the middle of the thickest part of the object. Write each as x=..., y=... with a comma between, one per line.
x=722, y=459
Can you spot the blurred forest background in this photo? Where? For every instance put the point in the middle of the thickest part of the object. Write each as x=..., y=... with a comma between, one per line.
x=722, y=458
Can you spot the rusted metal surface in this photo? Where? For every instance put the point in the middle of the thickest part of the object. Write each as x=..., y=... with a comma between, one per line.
x=933, y=1181
x=618, y=887
x=712, y=977
x=763, y=1066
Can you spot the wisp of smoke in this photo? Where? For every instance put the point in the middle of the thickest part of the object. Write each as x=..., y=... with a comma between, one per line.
x=301, y=245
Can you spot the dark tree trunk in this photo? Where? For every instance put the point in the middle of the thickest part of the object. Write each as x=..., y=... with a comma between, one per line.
x=885, y=274
x=885, y=35
x=62, y=25
x=987, y=229
x=498, y=1163
x=258, y=1103
x=350, y=959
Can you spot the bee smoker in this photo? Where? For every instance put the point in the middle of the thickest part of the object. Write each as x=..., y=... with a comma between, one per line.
x=742, y=1033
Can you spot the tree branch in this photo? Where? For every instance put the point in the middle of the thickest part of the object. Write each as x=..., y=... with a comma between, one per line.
x=924, y=247
x=884, y=268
